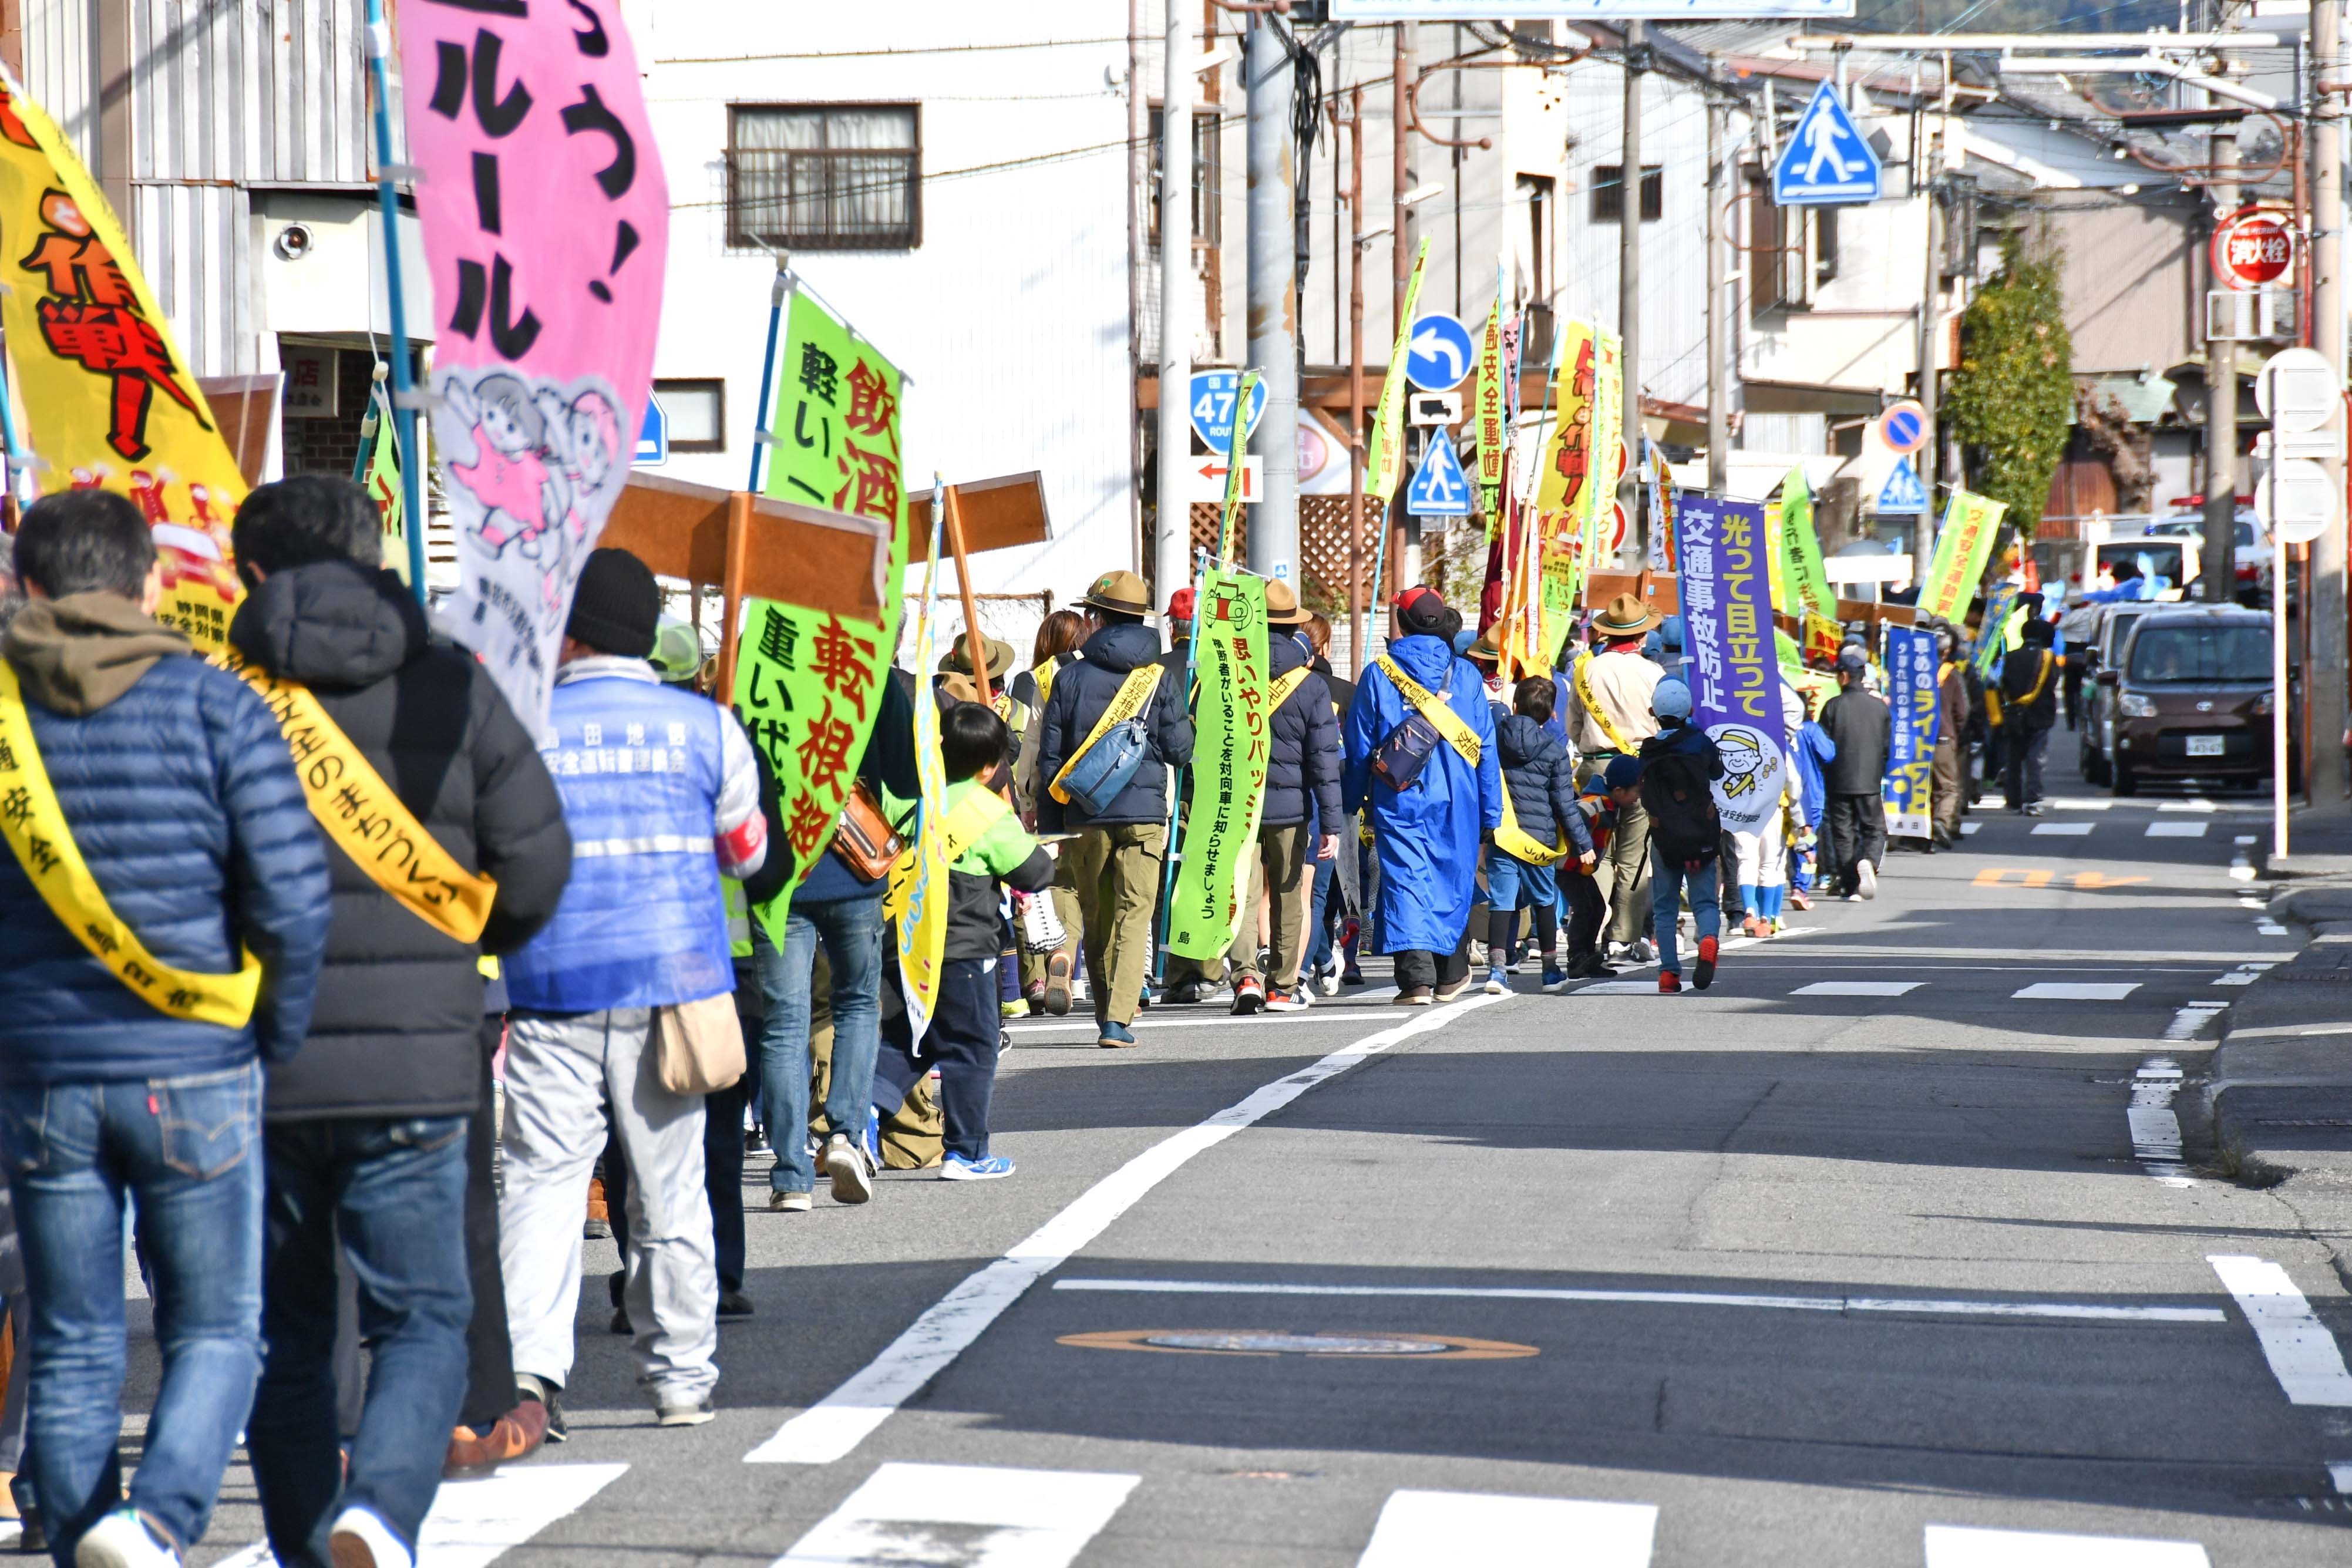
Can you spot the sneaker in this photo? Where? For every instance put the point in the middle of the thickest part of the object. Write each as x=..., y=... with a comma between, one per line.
x=1643, y=951
x=790, y=1203
x=529, y=1390
x=1184, y=992
x=695, y=1415
x=1553, y=978
x=1329, y=981
x=596, y=1229
x=1353, y=977
x=1113, y=1036
x=852, y=1174
x=1853, y=897
x=2035, y=808
x=1753, y=926
x=1668, y=983
x=734, y=1304
x=1798, y=900
x=1477, y=953
x=1865, y=879
x=514, y=1435
x=1412, y=996
x=361, y=1539
x=1019, y=1009
x=1588, y=966
x=1499, y=983
x=1703, y=975
x=1057, y=985
x=1249, y=997
x=123, y=1539
x=956, y=1168
x=755, y=1141
x=1297, y=999
x=1451, y=990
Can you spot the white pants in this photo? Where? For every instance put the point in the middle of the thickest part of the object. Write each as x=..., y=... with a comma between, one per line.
x=561, y=1072
x=1760, y=858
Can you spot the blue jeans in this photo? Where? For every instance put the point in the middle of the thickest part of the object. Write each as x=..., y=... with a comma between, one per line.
x=1667, y=885
x=851, y=931
x=1512, y=884
x=184, y=1148
x=393, y=1191
x=1319, y=937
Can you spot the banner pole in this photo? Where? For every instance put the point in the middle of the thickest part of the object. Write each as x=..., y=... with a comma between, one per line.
x=975, y=647
x=19, y=461
x=404, y=412
x=1176, y=794
x=776, y=293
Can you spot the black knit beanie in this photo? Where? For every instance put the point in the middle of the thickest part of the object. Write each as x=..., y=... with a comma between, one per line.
x=617, y=607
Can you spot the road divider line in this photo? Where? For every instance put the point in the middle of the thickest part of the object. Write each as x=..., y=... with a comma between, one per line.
x=832, y=1427
x=964, y=1513
x=1417, y=1527
x=475, y=1522
x=2303, y=1355
x=1951, y=1546
x=2154, y=1128
x=1900, y=1306
x=2192, y=1017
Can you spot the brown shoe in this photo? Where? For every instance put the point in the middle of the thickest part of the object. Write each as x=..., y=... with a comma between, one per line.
x=514, y=1435
x=1451, y=989
x=1411, y=996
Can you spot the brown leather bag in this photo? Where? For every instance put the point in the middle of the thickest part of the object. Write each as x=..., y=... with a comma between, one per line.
x=698, y=1046
x=864, y=837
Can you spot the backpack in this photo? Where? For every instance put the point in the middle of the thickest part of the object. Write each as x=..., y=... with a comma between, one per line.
x=1680, y=799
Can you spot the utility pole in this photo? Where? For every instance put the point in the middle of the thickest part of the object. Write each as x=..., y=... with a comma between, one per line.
x=2324, y=780
x=1172, y=556
x=2220, y=570
x=1931, y=320
x=1137, y=172
x=1719, y=415
x=1273, y=299
x=1405, y=232
x=1356, y=453
x=1629, y=281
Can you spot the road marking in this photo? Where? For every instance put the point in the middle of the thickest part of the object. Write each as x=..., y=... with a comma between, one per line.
x=2154, y=1129
x=2176, y=830
x=1858, y=988
x=475, y=1522
x=1619, y=988
x=2063, y=829
x=837, y=1424
x=1331, y=1015
x=2197, y=804
x=965, y=1513
x=1900, y=1306
x=2075, y=990
x=2242, y=838
x=1969, y=827
x=2192, y=1017
x=2081, y=805
x=2303, y=1355
x=1951, y=1546
x=2246, y=974
x=1418, y=1528
x=2269, y=927
x=1993, y=878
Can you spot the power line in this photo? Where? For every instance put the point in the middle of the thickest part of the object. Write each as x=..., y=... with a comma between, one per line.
x=878, y=54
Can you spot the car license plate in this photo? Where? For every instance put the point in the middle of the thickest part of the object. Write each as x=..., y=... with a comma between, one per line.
x=2204, y=746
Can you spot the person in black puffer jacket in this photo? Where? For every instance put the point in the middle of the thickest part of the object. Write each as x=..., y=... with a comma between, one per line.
x=1540, y=779
x=174, y=786
x=366, y=1126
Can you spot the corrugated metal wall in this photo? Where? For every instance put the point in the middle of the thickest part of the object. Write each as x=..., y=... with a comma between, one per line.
x=194, y=244
x=61, y=66
x=267, y=92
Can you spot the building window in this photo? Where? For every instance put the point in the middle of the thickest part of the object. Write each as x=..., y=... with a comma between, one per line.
x=835, y=177
x=1208, y=179
x=1608, y=193
x=698, y=413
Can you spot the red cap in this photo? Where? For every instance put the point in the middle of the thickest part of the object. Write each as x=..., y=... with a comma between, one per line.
x=1180, y=603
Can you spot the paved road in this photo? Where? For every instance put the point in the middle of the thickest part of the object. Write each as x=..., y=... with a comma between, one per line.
x=1883, y=1251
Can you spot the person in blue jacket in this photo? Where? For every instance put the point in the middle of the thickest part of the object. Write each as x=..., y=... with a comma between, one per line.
x=1814, y=751
x=1427, y=836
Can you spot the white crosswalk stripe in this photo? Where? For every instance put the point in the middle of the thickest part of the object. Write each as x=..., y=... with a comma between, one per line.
x=474, y=1523
x=1417, y=1527
x=964, y=1513
x=2063, y=829
x=1951, y=1546
x=2176, y=830
x=2075, y=990
x=1858, y=988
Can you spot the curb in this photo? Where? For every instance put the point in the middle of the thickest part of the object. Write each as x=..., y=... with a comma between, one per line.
x=2280, y=1099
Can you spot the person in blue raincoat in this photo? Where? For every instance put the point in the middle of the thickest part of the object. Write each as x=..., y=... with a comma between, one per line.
x=1426, y=837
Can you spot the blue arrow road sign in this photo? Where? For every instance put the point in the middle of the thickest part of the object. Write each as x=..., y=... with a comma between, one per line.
x=1439, y=488
x=653, y=437
x=1902, y=495
x=1440, y=355
x=1826, y=161
x=1214, y=393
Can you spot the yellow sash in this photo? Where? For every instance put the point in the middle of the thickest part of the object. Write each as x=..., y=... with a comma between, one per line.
x=1995, y=701
x=1520, y=844
x=1283, y=685
x=968, y=822
x=1580, y=676
x=1125, y=703
x=1044, y=675
x=1445, y=720
x=36, y=831
x=362, y=817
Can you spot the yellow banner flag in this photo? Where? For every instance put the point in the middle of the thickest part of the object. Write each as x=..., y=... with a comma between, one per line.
x=106, y=403
x=1386, y=463
x=917, y=900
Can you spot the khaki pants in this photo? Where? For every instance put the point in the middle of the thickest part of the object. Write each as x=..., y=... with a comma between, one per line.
x=1944, y=789
x=1033, y=964
x=1115, y=872
x=1277, y=870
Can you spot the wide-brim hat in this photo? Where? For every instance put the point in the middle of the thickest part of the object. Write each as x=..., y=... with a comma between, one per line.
x=958, y=656
x=1626, y=616
x=1488, y=647
x=1282, y=607
x=1121, y=592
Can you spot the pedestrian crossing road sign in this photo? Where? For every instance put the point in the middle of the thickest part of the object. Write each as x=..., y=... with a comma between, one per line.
x=1439, y=488
x=1826, y=161
x=1901, y=494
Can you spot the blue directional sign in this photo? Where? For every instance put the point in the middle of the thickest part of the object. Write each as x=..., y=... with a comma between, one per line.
x=1826, y=162
x=1214, y=393
x=1902, y=495
x=1439, y=487
x=653, y=437
x=1440, y=355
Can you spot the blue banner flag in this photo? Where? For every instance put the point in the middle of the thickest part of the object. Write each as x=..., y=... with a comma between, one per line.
x=1729, y=656
x=1911, y=748
x=1991, y=639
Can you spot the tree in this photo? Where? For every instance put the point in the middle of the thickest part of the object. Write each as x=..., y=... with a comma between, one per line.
x=2013, y=396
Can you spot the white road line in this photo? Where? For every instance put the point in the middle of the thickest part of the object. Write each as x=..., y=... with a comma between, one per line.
x=1858, y=988
x=1086, y=1031
x=1900, y=1306
x=1951, y=1546
x=1969, y=827
x=1417, y=1527
x=2176, y=830
x=2303, y=1355
x=2082, y=805
x=475, y=1522
x=833, y=1427
x=2191, y=1018
x=2154, y=1129
x=2200, y=804
x=2063, y=829
x=2269, y=927
x=2075, y=990
x=2242, y=838
x=2341, y=1475
x=964, y=1513
x=2246, y=974
x=1619, y=988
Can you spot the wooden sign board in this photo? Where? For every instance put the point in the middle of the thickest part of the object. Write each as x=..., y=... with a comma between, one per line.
x=1875, y=614
x=1658, y=590
x=796, y=554
x=244, y=407
x=996, y=514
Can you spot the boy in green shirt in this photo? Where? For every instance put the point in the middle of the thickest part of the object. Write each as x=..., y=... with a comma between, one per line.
x=986, y=845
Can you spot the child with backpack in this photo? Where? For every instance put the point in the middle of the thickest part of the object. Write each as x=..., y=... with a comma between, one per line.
x=1679, y=767
x=987, y=848
x=1617, y=787
x=1541, y=826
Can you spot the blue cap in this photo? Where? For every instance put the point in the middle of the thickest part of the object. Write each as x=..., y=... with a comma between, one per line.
x=1671, y=700
x=1463, y=639
x=1623, y=773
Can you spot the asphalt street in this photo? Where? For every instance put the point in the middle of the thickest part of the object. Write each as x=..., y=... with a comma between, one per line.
x=1885, y=1250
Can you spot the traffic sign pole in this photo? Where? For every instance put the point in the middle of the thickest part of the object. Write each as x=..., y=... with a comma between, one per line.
x=2220, y=567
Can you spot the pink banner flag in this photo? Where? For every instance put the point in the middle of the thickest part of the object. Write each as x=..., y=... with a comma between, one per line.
x=546, y=223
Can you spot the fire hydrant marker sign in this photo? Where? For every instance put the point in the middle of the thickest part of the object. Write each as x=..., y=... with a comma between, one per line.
x=546, y=224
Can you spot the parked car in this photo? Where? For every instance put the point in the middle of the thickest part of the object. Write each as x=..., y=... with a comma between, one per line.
x=2252, y=551
x=2190, y=696
x=2102, y=644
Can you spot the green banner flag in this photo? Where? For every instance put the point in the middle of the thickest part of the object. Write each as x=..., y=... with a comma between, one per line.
x=808, y=683
x=380, y=477
x=1229, y=760
x=1801, y=546
x=1962, y=547
x=1236, y=469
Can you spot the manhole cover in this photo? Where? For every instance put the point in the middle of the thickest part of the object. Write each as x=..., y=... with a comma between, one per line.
x=1284, y=1342
x=1301, y=1345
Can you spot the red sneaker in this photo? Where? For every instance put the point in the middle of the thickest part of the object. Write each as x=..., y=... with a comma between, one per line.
x=1704, y=975
x=1668, y=983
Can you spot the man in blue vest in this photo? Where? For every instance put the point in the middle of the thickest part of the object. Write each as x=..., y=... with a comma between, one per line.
x=662, y=797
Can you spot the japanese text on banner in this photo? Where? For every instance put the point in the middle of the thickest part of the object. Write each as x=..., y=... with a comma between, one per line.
x=1911, y=746
x=1728, y=656
x=1564, y=482
x=1229, y=763
x=1961, y=550
x=917, y=902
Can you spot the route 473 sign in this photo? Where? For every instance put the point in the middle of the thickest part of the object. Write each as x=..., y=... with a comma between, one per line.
x=2252, y=248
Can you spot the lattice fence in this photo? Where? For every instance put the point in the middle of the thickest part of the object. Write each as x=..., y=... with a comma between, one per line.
x=1323, y=544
